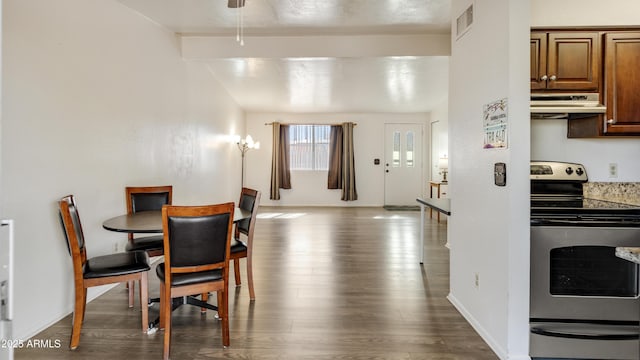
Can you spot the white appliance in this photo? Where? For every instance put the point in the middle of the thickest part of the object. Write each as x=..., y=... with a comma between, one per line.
x=6, y=289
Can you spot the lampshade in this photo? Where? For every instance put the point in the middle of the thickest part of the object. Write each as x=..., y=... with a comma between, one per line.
x=443, y=163
x=248, y=141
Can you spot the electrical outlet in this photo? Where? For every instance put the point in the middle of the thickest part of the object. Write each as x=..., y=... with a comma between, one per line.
x=613, y=170
x=477, y=280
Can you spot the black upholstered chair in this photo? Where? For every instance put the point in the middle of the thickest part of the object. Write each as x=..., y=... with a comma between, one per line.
x=100, y=270
x=196, y=261
x=146, y=198
x=242, y=243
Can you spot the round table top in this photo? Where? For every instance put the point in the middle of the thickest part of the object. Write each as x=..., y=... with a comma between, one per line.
x=151, y=221
x=140, y=222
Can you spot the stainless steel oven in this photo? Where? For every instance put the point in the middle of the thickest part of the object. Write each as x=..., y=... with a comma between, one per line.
x=584, y=300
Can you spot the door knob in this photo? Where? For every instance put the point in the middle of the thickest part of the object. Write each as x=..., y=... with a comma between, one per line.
x=544, y=78
x=553, y=78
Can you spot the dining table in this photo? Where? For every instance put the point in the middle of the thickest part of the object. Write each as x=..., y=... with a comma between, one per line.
x=437, y=204
x=149, y=222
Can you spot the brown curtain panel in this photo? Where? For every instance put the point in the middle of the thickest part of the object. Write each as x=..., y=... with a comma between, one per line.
x=342, y=174
x=280, y=168
x=335, y=158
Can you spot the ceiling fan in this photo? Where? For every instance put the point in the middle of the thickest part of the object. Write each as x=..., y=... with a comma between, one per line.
x=235, y=3
x=238, y=4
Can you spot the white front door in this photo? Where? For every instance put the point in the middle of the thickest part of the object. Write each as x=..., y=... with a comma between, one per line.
x=403, y=164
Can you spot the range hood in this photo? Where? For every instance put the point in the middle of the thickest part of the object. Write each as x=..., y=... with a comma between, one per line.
x=562, y=106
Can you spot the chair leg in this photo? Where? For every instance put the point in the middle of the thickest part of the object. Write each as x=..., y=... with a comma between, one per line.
x=236, y=270
x=252, y=292
x=223, y=302
x=166, y=314
x=132, y=289
x=220, y=307
x=144, y=301
x=205, y=298
x=167, y=330
x=162, y=306
x=84, y=304
x=78, y=317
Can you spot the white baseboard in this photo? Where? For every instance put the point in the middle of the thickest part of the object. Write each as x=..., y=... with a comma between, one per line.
x=91, y=295
x=500, y=352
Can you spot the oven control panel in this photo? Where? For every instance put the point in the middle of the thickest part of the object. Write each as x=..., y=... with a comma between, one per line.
x=556, y=170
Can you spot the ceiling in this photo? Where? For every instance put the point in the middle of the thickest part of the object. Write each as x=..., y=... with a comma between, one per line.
x=317, y=55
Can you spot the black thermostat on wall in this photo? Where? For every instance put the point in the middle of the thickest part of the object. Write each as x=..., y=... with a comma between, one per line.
x=500, y=174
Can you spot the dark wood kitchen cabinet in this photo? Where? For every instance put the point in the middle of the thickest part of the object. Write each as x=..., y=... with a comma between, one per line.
x=565, y=60
x=622, y=83
x=620, y=90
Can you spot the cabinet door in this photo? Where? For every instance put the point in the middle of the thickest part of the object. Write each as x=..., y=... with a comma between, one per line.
x=538, y=60
x=573, y=61
x=622, y=83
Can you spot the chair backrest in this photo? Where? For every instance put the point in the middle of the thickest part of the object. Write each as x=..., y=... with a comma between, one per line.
x=72, y=228
x=145, y=198
x=249, y=200
x=197, y=238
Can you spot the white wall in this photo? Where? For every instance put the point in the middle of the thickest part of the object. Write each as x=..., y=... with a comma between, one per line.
x=548, y=138
x=549, y=142
x=439, y=137
x=96, y=98
x=310, y=188
x=489, y=225
x=584, y=12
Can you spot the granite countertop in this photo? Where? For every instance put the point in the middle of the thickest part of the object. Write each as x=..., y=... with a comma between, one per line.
x=589, y=203
x=618, y=192
x=629, y=253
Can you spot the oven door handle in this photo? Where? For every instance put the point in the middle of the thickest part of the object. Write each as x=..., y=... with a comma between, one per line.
x=567, y=335
x=587, y=222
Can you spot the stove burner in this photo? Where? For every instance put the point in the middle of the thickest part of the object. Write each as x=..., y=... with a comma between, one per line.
x=557, y=199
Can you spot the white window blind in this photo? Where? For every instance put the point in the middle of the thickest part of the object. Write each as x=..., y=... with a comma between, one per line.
x=309, y=147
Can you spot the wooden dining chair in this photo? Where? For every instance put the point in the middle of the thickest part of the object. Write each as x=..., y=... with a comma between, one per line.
x=145, y=198
x=197, y=242
x=242, y=243
x=99, y=270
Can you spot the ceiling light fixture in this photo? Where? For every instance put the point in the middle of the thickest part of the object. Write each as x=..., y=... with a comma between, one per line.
x=238, y=4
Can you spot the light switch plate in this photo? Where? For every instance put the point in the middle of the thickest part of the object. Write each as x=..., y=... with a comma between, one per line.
x=500, y=174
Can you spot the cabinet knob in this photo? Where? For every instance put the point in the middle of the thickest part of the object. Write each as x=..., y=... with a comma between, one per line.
x=544, y=78
x=553, y=78
x=611, y=121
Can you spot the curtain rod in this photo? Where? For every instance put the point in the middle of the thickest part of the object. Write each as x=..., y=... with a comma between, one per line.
x=354, y=124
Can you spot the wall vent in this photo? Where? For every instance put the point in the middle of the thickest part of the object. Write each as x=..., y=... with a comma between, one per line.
x=464, y=22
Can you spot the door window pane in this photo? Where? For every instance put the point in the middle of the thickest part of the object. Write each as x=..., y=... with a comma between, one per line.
x=396, y=149
x=410, y=150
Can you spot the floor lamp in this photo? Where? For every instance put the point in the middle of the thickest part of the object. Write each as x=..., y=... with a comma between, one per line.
x=244, y=145
x=443, y=164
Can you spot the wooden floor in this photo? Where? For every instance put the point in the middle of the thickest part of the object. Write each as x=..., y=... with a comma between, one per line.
x=331, y=283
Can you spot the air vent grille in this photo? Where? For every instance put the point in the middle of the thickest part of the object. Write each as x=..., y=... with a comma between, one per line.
x=464, y=22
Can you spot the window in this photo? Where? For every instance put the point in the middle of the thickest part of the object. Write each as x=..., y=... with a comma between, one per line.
x=410, y=153
x=309, y=147
x=396, y=149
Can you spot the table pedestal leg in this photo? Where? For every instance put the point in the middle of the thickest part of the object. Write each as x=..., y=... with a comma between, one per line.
x=421, y=249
